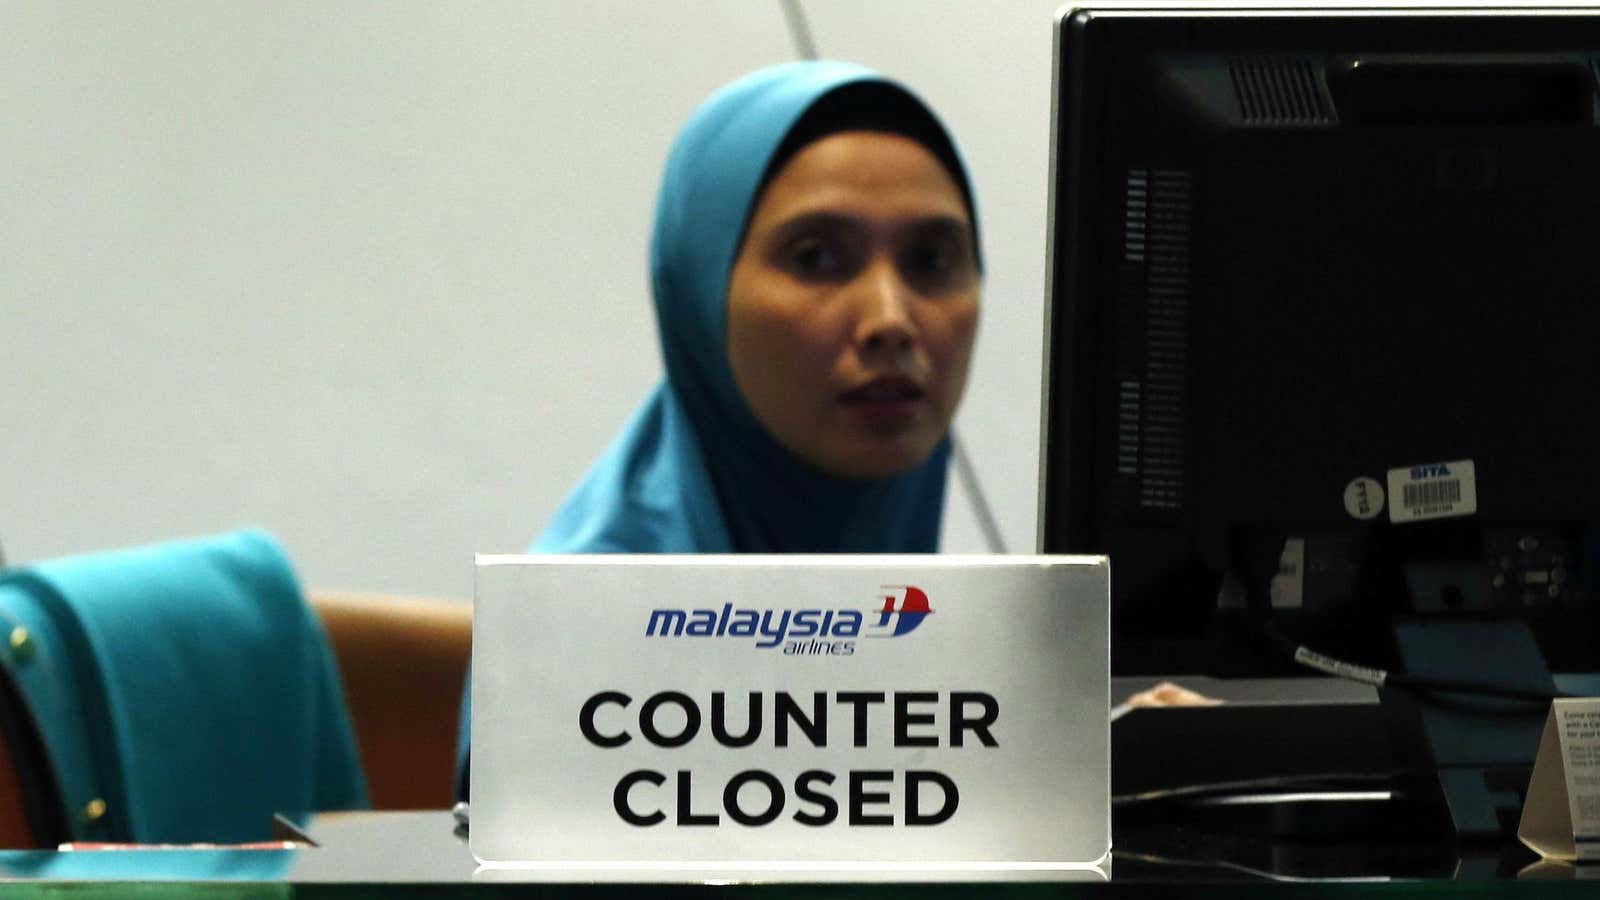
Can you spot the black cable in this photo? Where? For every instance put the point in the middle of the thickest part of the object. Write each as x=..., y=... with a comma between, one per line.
x=1434, y=686
x=1379, y=678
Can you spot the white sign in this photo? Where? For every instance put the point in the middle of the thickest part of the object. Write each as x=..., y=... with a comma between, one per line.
x=1561, y=816
x=790, y=712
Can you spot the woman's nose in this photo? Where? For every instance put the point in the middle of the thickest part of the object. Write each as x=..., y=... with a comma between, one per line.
x=885, y=326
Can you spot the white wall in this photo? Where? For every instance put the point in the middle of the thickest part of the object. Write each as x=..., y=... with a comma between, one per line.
x=372, y=275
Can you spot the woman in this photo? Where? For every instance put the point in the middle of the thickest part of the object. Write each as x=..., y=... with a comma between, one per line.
x=815, y=269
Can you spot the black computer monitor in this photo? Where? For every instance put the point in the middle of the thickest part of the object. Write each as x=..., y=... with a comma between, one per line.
x=1324, y=329
x=1325, y=321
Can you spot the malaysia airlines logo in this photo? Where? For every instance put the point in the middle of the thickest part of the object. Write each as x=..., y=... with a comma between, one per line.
x=900, y=610
x=912, y=609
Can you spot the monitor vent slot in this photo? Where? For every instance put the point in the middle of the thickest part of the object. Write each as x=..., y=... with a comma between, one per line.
x=1152, y=353
x=1278, y=91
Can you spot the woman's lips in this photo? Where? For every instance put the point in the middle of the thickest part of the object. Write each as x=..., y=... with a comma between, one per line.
x=886, y=399
x=884, y=389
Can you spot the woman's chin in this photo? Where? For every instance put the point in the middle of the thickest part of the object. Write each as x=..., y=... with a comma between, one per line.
x=874, y=460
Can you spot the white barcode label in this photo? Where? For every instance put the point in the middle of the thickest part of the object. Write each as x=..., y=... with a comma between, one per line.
x=1433, y=491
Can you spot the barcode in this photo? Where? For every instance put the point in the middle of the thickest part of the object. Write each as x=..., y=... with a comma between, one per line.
x=1432, y=493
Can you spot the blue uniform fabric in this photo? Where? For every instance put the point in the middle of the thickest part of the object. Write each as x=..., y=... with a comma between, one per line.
x=187, y=685
x=694, y=471
x=157, y=865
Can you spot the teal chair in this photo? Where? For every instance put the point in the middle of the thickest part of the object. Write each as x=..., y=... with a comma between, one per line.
x=177, y=693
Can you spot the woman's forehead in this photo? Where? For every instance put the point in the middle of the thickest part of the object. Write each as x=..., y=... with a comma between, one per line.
x=861, y=173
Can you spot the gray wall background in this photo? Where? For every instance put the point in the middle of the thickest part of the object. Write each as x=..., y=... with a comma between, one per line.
x=372, y=275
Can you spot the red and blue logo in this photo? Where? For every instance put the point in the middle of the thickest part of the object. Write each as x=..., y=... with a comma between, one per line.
x=906, y=609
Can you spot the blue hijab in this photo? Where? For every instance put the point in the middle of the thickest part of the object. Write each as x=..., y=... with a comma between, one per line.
x=694, y=471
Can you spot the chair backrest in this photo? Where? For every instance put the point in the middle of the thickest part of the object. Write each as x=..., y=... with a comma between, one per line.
x=15, y=829
x=32, y=813
x=403, y=661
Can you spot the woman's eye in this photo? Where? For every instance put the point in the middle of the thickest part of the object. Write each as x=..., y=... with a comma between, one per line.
x=813, y=259
x=931, y=259
x=933, y=265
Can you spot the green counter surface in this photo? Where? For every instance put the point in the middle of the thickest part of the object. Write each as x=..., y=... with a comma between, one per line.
x=418, y=855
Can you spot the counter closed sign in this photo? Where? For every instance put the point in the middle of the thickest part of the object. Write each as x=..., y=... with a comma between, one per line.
x=721, y=710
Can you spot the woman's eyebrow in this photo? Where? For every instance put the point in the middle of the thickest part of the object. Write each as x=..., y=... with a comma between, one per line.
x=825, y=221
x=832, y=221
x=943, y=225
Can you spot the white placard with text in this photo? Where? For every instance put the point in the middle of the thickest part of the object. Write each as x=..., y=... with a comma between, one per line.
x=1561, y=816
x=791, y=712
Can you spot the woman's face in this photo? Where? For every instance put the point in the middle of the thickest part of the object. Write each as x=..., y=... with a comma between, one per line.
x=853, y=304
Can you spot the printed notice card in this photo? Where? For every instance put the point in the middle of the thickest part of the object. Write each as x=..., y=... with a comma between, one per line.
x=1561, y=818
